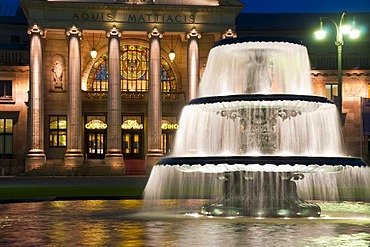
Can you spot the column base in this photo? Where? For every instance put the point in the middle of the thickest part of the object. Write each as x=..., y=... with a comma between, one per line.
x=35, y=159
x=151, y=159
x=73, y=158
x=114, y=158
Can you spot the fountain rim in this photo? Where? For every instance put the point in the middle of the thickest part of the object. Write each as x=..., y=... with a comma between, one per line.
x=259, y=97
x=263, y=160
x=257, y=38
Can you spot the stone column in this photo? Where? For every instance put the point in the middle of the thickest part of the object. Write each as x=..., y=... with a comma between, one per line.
x=154, y=101
x=74, y=155
x=36, y=156
x=193, y=63
x=114, y=157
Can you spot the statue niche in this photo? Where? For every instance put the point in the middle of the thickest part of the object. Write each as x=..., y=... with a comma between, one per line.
x=57, y=70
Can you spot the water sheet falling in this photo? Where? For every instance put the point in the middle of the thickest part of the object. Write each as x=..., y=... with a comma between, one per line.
x=254, y=133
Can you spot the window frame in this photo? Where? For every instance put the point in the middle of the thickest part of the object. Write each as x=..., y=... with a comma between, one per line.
x=58, y=132
x=4, y=87
x=4, y=136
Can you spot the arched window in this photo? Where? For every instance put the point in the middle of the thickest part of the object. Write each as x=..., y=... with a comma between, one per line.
x=134, y=68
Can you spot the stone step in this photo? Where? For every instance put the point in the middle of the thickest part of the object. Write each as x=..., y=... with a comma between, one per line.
x=91, y=170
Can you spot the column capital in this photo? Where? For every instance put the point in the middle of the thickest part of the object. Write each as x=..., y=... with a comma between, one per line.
x=35, y=29
x=114, y=32
x=229, y=34
x=193, y=33
x=74, y=31
x=155, y=33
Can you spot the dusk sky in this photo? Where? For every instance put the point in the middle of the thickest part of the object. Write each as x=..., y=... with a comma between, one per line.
x=306, y=6
x=295, y=6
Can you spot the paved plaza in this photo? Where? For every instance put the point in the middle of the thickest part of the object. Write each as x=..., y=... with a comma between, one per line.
x=93, y=181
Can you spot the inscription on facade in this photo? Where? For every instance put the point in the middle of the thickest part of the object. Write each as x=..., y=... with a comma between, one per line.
x=136, y=18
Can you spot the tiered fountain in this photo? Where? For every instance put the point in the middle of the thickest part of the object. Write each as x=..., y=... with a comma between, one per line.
x=254, y=130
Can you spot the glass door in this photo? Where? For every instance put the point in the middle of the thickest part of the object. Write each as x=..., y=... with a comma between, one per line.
x=96, y=145
x=132, y=145
x=167, y=141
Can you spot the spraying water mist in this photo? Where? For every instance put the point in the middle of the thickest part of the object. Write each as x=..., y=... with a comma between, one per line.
x=253, y=133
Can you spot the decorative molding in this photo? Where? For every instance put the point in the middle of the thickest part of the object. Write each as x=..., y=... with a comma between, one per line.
x=114, y=32
x=155, y=33
x=229, y=34
x=193, y=33
x=354, y=87
x=35, y=30
x=74, y=31
x=132, y=7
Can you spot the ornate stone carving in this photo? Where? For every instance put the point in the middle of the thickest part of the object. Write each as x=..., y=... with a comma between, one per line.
x=318, y=87
x=193, y=34
x=35, y=29
x=74, y=31
x=258, y=127
x=354, y=87
x=114, y=32
x=229, y=34
x=57, y=70
x=155, y=33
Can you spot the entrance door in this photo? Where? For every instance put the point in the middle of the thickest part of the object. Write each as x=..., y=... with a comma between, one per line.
x=167, y=141
x=132, y=145
x=96, y=145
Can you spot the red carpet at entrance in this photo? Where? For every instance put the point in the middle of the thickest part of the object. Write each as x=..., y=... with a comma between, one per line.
x=135, y=167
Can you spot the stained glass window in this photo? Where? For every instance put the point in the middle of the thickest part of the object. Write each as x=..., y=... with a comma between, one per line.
x=134, y=69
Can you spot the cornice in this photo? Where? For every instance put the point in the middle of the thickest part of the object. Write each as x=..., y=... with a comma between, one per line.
x=15, y=68
x=126, y=7
x=346, y=73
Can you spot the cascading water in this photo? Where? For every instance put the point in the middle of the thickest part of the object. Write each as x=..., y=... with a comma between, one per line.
x=253, y=133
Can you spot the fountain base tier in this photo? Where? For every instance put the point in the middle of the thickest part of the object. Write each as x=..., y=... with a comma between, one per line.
x=220, y=164
x=260, y=194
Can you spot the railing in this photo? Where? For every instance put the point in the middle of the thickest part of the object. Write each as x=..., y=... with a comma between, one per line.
x=349, y=62
x=14, y=57
x=134, y=96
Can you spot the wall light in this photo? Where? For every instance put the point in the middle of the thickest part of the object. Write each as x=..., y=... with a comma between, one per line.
x=172, y=55
x=93, y=53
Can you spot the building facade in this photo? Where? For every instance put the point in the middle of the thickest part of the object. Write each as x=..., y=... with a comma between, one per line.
x=103, y=90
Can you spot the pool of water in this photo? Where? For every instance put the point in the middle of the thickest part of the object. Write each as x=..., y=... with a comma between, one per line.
x=127, y=223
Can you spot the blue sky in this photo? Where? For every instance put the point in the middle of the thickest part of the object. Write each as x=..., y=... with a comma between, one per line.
x=294, y=6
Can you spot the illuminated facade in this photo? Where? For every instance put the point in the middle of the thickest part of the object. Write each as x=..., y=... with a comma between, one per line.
x=103, y=90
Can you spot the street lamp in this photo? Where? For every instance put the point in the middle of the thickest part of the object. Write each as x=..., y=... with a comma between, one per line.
x=342, y=28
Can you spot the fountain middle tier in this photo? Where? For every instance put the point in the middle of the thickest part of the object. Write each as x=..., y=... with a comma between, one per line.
x=295, y=164
x=257, y=125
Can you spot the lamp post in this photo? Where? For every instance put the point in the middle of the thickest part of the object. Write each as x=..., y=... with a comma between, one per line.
x=342, y=28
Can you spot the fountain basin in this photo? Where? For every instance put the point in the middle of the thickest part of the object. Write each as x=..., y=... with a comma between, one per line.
x=259, y=97
x=300, y=164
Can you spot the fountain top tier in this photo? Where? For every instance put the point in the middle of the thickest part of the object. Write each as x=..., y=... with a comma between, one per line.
x=257, y=65
x=256, y=111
